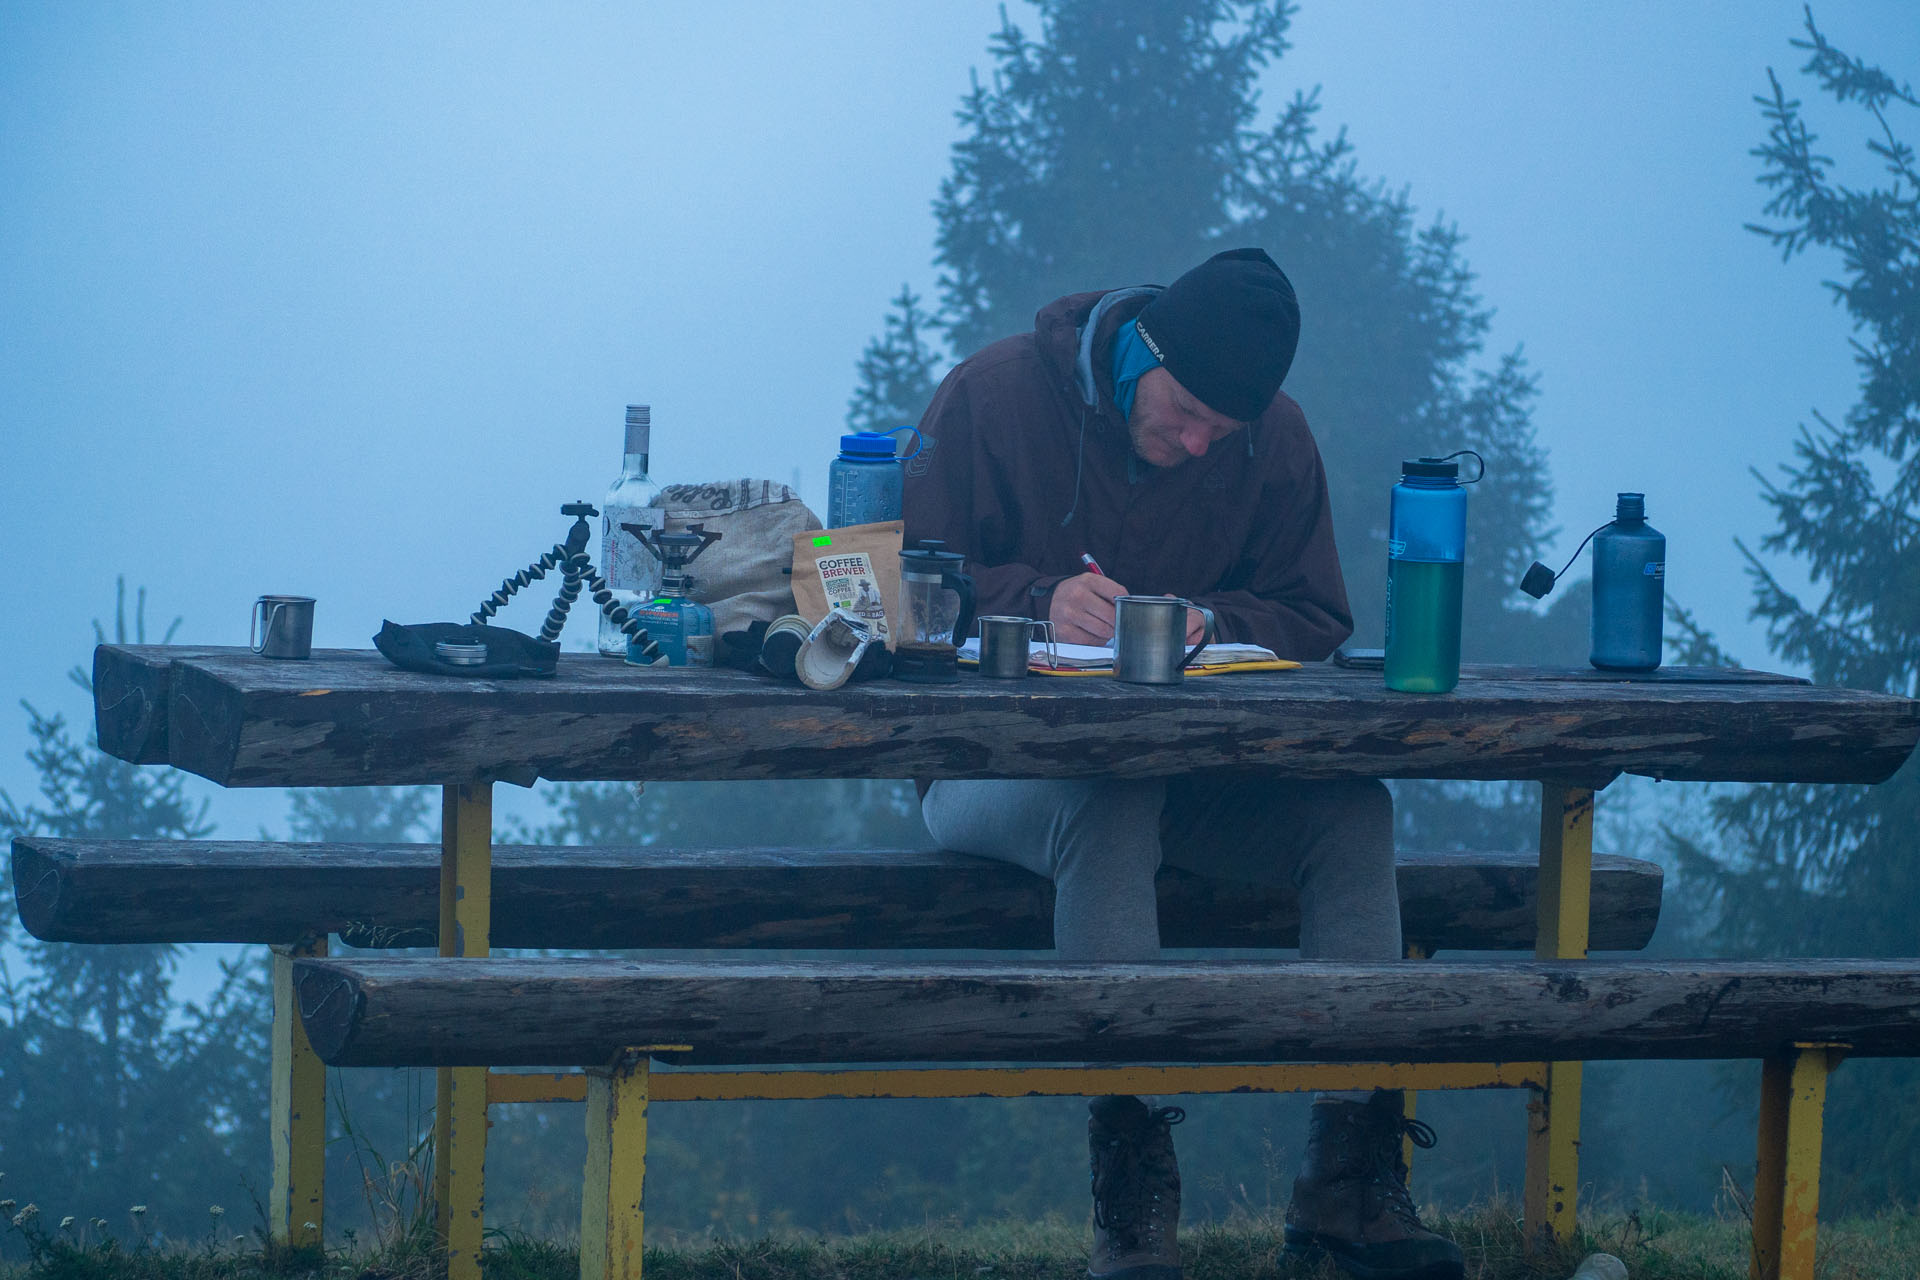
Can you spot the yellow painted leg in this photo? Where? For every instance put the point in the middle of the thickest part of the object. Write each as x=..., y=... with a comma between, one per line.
x=1553, y=1129
x=1786, y=1190
x=1553, y=1154
x=299, y=1111
x=612, y=1206
x=1414, y=952
x=460, y=1111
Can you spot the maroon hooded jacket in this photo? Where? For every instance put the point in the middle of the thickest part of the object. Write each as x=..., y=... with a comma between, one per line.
x=1026, y=463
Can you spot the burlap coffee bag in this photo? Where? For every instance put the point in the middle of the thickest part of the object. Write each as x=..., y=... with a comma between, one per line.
x=743, y=576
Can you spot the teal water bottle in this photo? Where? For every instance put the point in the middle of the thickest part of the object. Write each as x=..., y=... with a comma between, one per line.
x=1426, y=558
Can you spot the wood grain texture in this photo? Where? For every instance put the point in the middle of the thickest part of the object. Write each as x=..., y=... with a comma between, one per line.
x=130, y=692
x=552, y=1012
x=348, y=718
x=795, y=899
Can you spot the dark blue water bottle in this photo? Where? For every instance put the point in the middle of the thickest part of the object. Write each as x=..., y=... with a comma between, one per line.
x=865, y=483
x=1629, y=589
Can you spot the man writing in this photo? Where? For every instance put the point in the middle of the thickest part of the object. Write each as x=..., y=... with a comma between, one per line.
x=1145, y=428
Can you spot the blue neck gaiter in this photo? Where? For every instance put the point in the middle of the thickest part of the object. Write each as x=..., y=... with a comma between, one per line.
x=1131, y=358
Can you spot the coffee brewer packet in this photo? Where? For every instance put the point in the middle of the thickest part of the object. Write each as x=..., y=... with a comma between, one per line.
x=856, y=568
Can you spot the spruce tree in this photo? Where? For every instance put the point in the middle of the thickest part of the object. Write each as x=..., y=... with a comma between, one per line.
x=112, y=1091
x=898, y=371
x=1823, y=870
x=1104, y=152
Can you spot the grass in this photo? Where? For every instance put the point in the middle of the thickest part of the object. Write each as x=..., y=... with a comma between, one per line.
x=1654, y=1244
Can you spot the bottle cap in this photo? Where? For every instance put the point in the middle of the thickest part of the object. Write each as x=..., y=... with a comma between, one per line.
x=1630, y=506
x=639, y=427
x=1539, y=580
x=1431, y=468
x=867, y=444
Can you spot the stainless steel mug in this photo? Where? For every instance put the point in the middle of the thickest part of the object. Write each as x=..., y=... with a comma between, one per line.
x=1005, y=645
x=1150, y=638
x=284, y=625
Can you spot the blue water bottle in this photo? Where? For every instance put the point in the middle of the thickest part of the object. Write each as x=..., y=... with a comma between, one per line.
x=1426, y=560
x=864, y=484
x=1629, y=589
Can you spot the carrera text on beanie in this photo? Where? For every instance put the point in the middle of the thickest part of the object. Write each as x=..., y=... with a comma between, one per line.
x=1227, y=331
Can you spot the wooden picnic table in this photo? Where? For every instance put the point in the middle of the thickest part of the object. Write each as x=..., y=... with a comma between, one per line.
x=349, y=718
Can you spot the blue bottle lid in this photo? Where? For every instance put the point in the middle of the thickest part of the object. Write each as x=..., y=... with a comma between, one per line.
x=867, y=444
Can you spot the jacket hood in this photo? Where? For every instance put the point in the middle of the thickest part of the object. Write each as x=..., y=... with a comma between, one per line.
x=1070, y=330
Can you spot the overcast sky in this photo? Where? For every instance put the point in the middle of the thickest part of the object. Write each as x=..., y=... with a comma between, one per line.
x=347, y=300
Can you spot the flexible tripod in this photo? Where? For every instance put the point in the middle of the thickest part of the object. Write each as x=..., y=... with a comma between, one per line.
x=576, y=570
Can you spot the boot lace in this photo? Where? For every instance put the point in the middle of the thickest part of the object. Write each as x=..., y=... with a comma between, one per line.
x=1128, y=1177
x=1389, y=1171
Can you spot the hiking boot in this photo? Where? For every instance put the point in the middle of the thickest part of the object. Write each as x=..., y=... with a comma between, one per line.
x=1136, y=1190
x=1351, y=1202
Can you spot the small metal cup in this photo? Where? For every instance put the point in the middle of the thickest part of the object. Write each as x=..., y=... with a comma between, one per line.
x=1150, y=638
x=284, y=625
x=1005, y=645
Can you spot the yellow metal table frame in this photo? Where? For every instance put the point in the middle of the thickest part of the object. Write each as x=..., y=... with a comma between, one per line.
x=1793, y=1090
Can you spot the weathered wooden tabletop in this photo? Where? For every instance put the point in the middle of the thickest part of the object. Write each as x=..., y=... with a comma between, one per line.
x=350, y=718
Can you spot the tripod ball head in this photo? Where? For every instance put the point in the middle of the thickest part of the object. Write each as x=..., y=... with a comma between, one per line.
x=578, y=536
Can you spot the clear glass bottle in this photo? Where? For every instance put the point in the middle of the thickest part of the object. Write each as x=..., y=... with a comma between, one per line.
x=633, y=574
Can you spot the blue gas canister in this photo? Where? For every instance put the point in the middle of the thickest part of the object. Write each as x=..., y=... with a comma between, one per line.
x=1426, y=563
x=1629, y=589
x=865, y=483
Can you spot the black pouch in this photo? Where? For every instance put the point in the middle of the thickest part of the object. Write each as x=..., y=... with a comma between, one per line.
x=510, y=653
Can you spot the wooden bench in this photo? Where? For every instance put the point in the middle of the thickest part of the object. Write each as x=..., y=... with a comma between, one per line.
x=554, y=1011
x=388, y=895
x=613, y=1017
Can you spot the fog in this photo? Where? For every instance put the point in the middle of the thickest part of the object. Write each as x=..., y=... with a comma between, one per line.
x=347, y=303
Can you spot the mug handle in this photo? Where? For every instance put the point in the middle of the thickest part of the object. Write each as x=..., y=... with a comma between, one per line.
x=1045, y=629
x=262, y=617
x=1206, y=635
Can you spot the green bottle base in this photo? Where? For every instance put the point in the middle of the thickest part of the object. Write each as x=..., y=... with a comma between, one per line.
x=1423, y=625
x=1415, y=684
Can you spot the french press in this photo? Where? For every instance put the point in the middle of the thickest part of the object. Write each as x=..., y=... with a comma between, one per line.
x=936, y=612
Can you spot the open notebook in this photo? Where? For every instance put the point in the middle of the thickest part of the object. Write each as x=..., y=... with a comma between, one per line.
x=1073, y=659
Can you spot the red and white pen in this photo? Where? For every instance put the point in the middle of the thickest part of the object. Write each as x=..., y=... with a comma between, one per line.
x=1093, y=566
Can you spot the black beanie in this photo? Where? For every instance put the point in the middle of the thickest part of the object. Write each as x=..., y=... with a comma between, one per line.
x=1227, y=331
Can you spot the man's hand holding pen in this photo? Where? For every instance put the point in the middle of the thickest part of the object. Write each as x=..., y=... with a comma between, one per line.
x=1082, y=608
x=1086, y=616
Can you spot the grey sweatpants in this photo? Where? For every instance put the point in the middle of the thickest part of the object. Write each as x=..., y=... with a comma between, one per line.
x=1101, y=842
